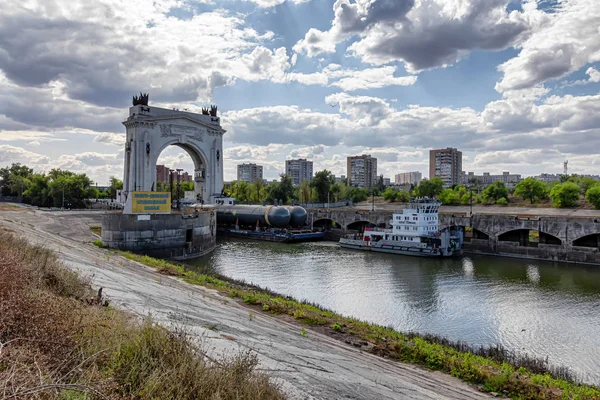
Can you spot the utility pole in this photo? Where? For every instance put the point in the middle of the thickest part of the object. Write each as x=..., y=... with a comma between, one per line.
x=373, y=197
x=171, y=185
x=63, y=197
x=178, y=188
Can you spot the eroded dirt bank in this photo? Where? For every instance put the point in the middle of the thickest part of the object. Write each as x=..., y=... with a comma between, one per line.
x=311, y=366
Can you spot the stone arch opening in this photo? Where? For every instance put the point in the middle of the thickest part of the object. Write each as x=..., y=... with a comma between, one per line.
x=592, y=240
x=326, y=223
x=528, y=237
x=197, y=175
x=359, y=226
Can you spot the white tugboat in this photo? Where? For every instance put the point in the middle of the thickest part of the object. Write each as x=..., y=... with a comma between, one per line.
x=414, y=232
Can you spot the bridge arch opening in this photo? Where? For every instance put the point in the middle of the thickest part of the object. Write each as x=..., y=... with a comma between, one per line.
x=359, y=226
x=326, y=223
x=192, y=165
x=529, y=237
x=592, y=240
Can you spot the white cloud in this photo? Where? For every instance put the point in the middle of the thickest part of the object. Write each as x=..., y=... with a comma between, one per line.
x=12, y=154
x=569, y=40
x=273, y=3
x=422, y=34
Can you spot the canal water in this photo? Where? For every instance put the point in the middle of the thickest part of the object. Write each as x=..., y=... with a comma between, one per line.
x=543, y=309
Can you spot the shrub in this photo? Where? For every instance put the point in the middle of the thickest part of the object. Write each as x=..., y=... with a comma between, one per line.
x=495, y=191
x=449, y=197
x=502, y=201
x=593, y=196
x=336, y=327
x=564, y=194
x=98, y=243
x=465, y=199
x=390, y=194
x=532, y=189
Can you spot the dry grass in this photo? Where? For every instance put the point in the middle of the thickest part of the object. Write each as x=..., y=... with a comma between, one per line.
x=57, y=342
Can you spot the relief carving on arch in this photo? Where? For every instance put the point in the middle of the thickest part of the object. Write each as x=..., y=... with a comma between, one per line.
x=181, y=131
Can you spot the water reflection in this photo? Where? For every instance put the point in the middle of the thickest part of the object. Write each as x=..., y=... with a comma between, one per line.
x=550, y=310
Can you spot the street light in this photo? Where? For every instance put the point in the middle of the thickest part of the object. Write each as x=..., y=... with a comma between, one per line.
x=178, y=189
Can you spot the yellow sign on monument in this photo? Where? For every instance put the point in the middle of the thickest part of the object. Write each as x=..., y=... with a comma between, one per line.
x=151, y=202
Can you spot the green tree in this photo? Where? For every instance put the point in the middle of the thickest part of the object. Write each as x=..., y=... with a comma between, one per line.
x=380, y=184
x=74, y=187
x=403, y=196
x=116, y=184
x=495, y=191
x=390, y=194
x=282, y=190
x=593, y=196
x=13, y=179
x=531, y=189
x=357, y=194
x=37, y=192
x=322, y=182
x=304, y=192
x=502, y=201
x=565, y=194
x=465, y=199
x=449, y=197
x=338, y=191
x=258, y=191
x=430, y=187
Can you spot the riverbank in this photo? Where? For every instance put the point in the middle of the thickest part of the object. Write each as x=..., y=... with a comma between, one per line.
x=494, y=370
x=60, y=339
x=310, y=366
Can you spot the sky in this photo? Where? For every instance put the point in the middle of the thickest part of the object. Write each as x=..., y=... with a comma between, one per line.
x=514, y=85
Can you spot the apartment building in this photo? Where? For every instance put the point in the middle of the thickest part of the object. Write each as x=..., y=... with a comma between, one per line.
x=510, y=180
x=299, y=170
x=249, y=173
x=362, y=171
x=446, y=164
x=408, y=178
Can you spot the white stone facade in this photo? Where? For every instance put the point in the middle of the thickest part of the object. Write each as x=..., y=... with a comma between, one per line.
x=152, y=129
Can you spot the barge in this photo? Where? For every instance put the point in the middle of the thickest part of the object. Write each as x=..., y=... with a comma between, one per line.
x=415, y=232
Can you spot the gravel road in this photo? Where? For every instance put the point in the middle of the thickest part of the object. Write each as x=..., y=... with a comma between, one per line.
x=307, y=367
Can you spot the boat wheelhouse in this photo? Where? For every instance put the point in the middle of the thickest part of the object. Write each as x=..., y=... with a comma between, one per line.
x=415, y=231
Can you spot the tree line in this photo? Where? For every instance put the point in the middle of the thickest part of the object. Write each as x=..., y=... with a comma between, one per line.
x=565, y=193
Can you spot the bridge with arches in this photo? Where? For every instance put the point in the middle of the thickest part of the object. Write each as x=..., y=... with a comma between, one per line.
x=551, y=237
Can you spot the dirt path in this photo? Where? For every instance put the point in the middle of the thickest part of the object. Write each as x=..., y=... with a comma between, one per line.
x=307, y=367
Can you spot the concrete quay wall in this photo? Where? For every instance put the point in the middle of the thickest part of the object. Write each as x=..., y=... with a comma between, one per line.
x=173, y=236
x=560, y=237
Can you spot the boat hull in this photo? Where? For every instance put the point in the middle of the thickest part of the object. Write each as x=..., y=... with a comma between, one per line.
x=272, y=237
x=395, y=249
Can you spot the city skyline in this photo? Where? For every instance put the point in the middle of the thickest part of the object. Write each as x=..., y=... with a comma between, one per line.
x=515, y=85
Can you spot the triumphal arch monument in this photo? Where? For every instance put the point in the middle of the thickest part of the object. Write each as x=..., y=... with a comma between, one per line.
x=149, y=130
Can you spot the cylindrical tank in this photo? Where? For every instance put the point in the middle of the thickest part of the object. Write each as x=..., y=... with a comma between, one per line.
x=298, y=216
x=277, y=217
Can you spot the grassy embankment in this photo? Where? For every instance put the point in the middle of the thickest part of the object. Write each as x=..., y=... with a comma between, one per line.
x=493, y=369
x=60, y=340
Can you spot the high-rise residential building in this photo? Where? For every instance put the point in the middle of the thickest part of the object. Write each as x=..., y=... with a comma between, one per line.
x=446, y=164
x=408, y=178
x=362, y=171
x=299, y=170
x=162, y=174
x=249, y=173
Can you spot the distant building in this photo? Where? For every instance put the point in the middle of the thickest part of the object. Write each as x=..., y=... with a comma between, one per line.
x=249, y=173
x=340, y=179
x=411, y=178
x=446, y=164
x=548, y=178
x=362, y=171
x=510, y=180
x=387, y=182
x=162, y=174
x=299, y=170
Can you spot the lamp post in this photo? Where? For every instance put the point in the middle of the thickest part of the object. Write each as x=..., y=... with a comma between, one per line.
x=171, y=185
x=178, y=188
x=373, y=199
x=63, y=197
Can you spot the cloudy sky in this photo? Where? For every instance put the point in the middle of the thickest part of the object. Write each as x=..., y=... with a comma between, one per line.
x=513, y=84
